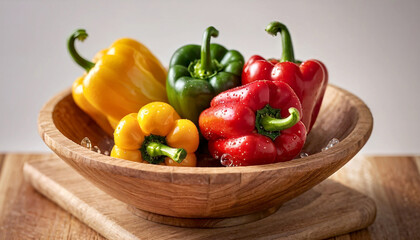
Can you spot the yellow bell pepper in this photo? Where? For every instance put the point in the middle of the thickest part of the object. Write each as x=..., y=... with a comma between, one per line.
x=96, y=115
x=157, y=135
x=121, y=80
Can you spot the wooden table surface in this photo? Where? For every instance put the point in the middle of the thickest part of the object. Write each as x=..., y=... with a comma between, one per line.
x=392, y=181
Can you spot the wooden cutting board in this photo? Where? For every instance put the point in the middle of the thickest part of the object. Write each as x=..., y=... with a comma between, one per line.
x=327, y=210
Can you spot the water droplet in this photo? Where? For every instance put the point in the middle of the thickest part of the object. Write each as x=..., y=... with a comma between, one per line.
x=334, y=141
x=331, y=144
x=226, y=160
x=86, y=143
x=303, y=154
x=96, y=149
x=106, y=153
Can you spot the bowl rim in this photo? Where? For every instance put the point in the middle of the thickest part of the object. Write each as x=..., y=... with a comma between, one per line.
x=63, y=146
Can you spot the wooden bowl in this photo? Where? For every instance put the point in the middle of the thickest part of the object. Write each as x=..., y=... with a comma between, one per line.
x=242, y=194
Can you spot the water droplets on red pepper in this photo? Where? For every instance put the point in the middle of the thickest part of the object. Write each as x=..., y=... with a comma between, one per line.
x=228, y=161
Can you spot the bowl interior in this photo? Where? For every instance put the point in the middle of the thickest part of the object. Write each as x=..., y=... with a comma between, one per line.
x=75, y=124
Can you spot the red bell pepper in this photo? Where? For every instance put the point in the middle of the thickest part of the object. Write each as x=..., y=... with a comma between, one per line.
x=258, y=123
x=309, y=79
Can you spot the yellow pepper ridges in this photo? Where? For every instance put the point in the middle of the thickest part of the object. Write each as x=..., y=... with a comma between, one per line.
x=128, y=134
x=80, y=100
x=125, y=79
x=120, y=80
x=156, y=120
x=132, y=155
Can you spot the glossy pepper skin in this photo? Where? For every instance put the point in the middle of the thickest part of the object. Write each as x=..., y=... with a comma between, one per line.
x=156, y=135
x=309, y=79
x=258, y=123
x=121, y=80
x=83, y=103
x=198, y=73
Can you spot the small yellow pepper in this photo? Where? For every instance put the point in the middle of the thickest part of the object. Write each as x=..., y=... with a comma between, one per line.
x=121, y=80
x=157, y=135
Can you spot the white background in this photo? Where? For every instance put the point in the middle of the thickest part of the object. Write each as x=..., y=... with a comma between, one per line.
x=370, y=48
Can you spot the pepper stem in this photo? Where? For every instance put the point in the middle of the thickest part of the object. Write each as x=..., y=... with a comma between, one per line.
x=155, y=149
x=276, y=27
x=206, y=62
x=268, y=121
x=276, y=124
x=80, y=35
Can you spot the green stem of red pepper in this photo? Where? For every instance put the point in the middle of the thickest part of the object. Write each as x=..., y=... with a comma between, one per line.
x=276, y=27
x=276, y=124
x=80, y=35
x=206, y=67
x=269, y=123
x=155, y=149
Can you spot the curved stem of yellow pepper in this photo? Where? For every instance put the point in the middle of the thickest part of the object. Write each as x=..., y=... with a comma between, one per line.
x=155, y=149
x=80, y=35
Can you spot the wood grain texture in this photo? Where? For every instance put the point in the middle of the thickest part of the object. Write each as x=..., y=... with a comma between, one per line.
x=394, y=183
x=26, y=214
x=203, y=222
x=207, y=192
x=327, y=210
x=1, y=160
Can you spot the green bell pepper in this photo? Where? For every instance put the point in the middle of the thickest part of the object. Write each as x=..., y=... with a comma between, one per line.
x=198, y=73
